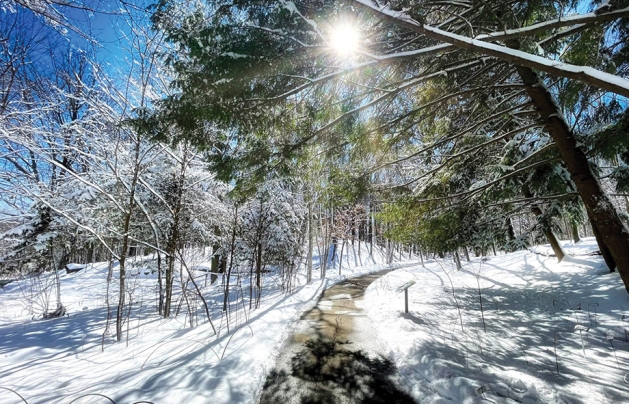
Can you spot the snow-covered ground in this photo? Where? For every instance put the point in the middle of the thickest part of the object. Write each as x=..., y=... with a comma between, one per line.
x=546, y=335
x=162, y=360
x=587, y=246
x=552, y=332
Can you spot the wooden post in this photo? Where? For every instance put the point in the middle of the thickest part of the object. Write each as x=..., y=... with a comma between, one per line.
x=406, y=300
x=405, y=289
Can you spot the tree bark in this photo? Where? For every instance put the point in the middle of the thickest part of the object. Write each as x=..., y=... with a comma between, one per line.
x=259, y=268
x=310, y=245
x=546, y=229
x=607, y=256
x=457, y=259
x=372, y=230
x=341, y=255
x=601, y=211
x=231, y=261
x=510, y=229
x=574, y=229
x=160, y=307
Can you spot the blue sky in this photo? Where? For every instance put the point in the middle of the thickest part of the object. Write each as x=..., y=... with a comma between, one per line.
x=103, y=31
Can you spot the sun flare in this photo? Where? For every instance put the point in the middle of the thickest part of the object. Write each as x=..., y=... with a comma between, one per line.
x=345, y=39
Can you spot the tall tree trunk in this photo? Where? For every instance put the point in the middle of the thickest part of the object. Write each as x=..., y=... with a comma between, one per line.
x=326, y=240
x=125, y=242
x=546, y=229
x=122, y=278
x=457, y=259
x=169, y=279
x=175, y=241
x=60, y=310
x=310, y=245
x=360, y=258
x=510, y=229
x=160, y=307
x=231, y=261
x=251, y=271
x=259, y=269
x=372, y=230
x=341, y=255
x=550, y=235
x=574, y=229
x=600, y=208
x=467, y=254
x=609, y=260
x=171, y=258
x=214, y=263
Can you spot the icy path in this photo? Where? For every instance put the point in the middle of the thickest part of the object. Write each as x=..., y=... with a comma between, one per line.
x=334, y=354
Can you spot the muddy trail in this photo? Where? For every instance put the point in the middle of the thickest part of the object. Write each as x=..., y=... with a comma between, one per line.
x=334, y=356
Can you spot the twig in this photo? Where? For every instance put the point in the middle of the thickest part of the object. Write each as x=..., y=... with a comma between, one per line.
x=556, y=358
x=454, y=295
x=230, y=338
x=480, y=296
x=14, y=392
x=92, y=394
x=610, y=338
x=167, y=342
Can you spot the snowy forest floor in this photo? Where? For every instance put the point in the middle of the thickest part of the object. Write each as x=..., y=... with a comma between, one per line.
x=552, y=332
x=548, y=333
x=161, y=360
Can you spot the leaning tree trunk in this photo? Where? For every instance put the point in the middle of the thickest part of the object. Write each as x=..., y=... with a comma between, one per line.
x=601, y=211
x=607, y=256
x=550, y=235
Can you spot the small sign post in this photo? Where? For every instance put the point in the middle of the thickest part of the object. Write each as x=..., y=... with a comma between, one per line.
x=405, y=289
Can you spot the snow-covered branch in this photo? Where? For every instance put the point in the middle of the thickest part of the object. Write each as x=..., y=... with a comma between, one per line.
x=585, y=74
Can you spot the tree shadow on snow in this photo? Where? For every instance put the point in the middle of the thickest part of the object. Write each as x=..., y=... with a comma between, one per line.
x=326, y=372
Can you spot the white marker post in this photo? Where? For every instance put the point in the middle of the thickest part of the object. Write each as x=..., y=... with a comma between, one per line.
x=405, y=289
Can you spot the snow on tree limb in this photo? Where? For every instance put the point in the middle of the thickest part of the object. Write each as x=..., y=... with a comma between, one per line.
x=571, y=20
x=376, y=60
x=585, y=74
x=410, y=84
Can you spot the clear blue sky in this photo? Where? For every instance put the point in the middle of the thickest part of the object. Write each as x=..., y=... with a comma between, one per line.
x=103, y=30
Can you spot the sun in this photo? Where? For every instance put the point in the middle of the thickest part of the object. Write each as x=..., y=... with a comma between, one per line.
x=344, y=39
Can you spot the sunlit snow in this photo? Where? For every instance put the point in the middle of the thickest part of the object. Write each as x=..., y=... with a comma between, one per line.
x=552, y=332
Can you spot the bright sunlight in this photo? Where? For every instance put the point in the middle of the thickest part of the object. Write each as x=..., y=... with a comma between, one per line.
x=344, y=39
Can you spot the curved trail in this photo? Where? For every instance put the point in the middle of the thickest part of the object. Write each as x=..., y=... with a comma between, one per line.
x=334, y=356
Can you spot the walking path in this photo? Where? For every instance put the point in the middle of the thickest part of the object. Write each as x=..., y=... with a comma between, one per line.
x=334, y=356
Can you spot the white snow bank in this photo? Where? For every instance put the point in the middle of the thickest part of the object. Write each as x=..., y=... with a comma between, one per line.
x=545, y=336
x=587, y=246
